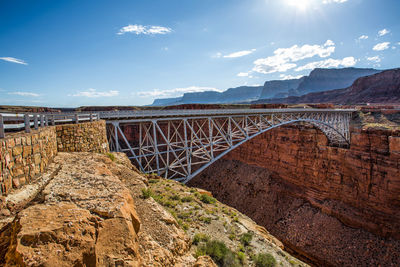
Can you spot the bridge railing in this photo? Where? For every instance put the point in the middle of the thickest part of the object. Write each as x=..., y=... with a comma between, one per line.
x=186, y=112
x=13, y=122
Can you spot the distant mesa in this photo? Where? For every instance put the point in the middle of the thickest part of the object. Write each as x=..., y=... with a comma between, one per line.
x=383, y=87
x=319, y=80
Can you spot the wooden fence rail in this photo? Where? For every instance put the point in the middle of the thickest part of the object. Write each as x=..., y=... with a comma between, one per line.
x=12, y=122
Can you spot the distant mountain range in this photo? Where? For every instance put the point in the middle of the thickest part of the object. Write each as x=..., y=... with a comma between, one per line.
x=383, y=87
x=318, y=80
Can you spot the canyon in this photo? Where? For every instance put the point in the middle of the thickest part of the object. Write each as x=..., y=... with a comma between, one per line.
x=330, y=206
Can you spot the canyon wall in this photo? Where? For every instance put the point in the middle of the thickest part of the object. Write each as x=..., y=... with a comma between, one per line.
x=23, y=156
x=334, y=206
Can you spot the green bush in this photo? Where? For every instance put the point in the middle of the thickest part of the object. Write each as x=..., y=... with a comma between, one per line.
x=241, y=256
x=246, y=238
x=200, y=237
x=111, y=156
x=219, y=252
x=205, y=219
x=175, y=197
x=187, y=199
x=146, y=193
x=207, y=199
x=264, y=260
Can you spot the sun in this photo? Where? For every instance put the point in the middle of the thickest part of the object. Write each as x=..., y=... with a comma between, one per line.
x=301, y=5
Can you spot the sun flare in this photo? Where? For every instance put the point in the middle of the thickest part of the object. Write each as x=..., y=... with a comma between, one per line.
x=299, y=4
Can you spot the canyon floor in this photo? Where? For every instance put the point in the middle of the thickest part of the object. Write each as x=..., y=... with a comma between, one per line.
x=98, y=210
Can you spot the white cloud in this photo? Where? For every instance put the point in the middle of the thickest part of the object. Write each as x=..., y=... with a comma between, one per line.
x=329, y=63
x=140, y=29
x=383, y=32
x=333, y=1
x=240, y=53
x=243, y=74
x=217, y=55
x=376, y=59
x=381, y=46
x=24, y=94
x=176, y=91
x=14, y=60
x=289, y=77
x=93, y=93
x=283, y=58
x=363, y=37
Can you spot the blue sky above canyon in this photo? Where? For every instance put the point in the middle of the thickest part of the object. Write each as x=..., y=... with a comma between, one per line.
x=71, y=53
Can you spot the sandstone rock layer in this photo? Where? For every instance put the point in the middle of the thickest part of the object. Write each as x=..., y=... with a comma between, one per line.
x=85, y=216
x=335, y=206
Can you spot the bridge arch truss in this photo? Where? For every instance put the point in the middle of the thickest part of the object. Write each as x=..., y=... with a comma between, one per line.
x=180, y=147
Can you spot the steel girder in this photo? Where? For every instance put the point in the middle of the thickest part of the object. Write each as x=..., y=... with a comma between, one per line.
x=181, y=147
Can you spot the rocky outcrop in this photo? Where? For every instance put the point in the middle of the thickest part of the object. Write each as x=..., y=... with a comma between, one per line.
x=85, y=216
x=335, y=206
x=92, y=211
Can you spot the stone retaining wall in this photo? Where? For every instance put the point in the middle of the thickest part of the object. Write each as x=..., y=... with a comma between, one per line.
x=23, y=156
x=82, y=137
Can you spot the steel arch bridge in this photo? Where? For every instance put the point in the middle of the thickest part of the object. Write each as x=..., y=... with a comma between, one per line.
x=179, y=144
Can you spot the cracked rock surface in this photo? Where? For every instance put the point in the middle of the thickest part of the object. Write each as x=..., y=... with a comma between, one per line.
x=85, y=216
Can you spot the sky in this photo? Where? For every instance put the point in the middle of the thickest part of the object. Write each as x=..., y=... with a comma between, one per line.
x=70, y=53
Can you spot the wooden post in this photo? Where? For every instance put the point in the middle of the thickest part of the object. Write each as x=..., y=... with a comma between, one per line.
x=76, y=118
x=46, y=120
x=91, y=117
x=27, y=123
x=1, y=127
x=41, y=120
x=35, y=121
x=53, y=120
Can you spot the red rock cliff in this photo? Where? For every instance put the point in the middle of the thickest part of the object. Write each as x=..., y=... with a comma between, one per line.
x=322, y=202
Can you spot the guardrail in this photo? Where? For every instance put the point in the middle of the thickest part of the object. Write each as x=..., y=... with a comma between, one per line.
x=194, y=112
x=11, y=122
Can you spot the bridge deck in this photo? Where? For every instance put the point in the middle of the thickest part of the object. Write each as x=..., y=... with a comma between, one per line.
x=209, y=112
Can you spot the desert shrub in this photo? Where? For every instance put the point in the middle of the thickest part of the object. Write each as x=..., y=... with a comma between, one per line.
x=207, y=199
x=246, y=238
x=187, y=199
x=146, y=193
x=219, y=252
x=200, y=237
x=264, y=260
x=153, y=181
x=169, y=204
x=205, y=219
x=241, y=257
x=111, y=156
x=175, y=197
x=232, y=236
